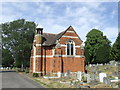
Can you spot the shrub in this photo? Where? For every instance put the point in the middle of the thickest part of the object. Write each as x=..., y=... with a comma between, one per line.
x=17, y=70
x=84, y=79
x=26, y=70
x=35, y=75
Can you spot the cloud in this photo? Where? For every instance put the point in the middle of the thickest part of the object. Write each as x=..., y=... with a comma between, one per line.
x=58, y=16
x=59, y=1
x=111, y=33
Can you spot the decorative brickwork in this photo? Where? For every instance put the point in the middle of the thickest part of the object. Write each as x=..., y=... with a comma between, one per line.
x=49, y=53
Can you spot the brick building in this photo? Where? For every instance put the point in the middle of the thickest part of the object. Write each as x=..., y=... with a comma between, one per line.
x=54, y=53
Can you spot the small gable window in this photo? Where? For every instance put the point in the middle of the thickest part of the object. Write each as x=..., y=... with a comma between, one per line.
x=70, y=47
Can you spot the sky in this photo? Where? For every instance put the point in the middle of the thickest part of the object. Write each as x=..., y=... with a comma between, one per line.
x=56, y=17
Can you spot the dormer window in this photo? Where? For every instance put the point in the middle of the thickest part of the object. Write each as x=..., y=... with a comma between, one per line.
x=70, y=47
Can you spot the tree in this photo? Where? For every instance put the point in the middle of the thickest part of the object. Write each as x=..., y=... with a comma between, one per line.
x=7, y=59
x=102, y=54
x=17, y=37
x=115, y=50
x=96, y=45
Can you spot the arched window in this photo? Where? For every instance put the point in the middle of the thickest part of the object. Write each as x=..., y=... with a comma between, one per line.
x=70, y=47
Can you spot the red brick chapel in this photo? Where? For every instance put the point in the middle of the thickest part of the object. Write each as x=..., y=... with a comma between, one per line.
x=52, y=53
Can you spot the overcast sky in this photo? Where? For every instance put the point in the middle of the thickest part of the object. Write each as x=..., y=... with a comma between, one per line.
x=55, y=17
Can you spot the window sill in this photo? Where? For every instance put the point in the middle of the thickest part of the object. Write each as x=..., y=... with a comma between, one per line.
x=70, y=56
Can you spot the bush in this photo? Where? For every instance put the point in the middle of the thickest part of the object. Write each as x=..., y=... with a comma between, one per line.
x=17, y=70
x=26, y=70
x=84, y=79
x=35, y=75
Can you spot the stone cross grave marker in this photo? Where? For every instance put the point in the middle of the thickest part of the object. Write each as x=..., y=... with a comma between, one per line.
x=101, y=76
x=106, y=81
x=79, y=75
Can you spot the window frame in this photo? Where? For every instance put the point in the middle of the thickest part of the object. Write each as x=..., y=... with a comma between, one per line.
x=69, y=44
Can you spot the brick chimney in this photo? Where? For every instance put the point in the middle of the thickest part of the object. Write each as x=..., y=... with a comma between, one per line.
x=40, y=31
x=39, y=50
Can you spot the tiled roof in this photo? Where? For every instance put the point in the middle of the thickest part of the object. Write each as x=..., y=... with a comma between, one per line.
x=50, y=39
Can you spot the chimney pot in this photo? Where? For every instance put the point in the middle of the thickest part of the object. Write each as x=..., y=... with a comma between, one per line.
x=40, y=31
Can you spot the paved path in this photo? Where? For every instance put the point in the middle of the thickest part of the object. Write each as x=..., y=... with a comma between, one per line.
x=15, y=80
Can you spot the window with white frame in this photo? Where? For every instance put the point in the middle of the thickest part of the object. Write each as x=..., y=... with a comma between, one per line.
x=70, y=47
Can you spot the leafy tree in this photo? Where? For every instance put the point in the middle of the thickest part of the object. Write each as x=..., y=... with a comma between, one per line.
x=102, y=54
x=115, y=50
x=95, y=45
x=7, y=59
x=17, y=37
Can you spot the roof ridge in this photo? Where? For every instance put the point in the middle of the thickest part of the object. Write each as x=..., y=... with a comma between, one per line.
x=49, y=33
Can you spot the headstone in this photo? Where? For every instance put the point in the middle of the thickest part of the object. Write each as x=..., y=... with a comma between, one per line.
x=116, y=77
x=65, y=74
x=98, y=71
x=115, y=73
x=94, y=82
x=1, y=67
x=107, y=68
x=92, y=77
x=62, y=74
x=88, y=78
x=90, y=65
x=79, y=76
x=106, y=81
x=101, y=76
x=68, y=73
x=59, y=74
x=108, y=64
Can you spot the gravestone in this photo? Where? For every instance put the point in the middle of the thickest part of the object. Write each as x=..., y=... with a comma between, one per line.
x=1, y=67
x=101, y=76
x=79, y=76
x=62, y=75
x=94, y=82
x=99, y=71
x=90, y=65
x=65, y=74
x=114, y=73
x=92, y=77
x=88, y=78
x=106, y=81
x=59, y=74
x=68, y=73
x=107, y=68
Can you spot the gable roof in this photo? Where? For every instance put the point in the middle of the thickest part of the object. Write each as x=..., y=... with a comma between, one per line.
x=50, y=39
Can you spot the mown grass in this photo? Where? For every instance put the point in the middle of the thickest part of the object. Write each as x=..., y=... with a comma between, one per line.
x=50, y=83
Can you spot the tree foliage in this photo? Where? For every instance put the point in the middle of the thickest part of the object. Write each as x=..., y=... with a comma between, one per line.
x=96, y=47
x=115, y=50
x=7, y=59
x=17, y=38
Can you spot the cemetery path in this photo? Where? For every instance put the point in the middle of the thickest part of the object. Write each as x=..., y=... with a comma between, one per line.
x=15, y=80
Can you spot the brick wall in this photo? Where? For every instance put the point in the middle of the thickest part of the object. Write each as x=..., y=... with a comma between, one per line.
x=50, y=63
